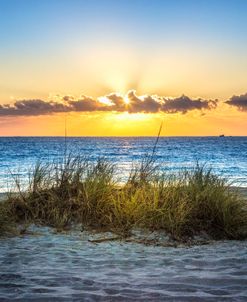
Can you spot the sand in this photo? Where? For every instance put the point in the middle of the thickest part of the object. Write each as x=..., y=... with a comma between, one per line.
x=67, y=267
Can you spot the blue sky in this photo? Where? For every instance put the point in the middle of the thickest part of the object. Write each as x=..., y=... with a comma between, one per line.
x=52, y=23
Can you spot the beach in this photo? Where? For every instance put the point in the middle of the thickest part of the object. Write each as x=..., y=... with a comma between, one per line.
x=44, y=264
x=67, y=267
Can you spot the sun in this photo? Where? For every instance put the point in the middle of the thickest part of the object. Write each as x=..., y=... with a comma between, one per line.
x=126, y=100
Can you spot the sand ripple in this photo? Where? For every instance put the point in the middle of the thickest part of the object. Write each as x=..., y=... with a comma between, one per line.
x=69, y=268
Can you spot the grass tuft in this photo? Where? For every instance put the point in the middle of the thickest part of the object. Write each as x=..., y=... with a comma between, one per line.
x=78, y=191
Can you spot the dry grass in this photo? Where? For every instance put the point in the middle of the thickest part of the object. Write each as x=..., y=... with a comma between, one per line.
x=77, y=191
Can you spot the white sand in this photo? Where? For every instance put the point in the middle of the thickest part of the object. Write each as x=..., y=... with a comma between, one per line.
x=69, y=268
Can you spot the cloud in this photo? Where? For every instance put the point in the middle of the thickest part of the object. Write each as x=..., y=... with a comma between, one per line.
x=31, y=107
x=239, y=101
x=85, y=103
x=40, y=107
x=110, y=103
x=184, y=104
x=154, y=104
x=146, y=104
x=118, y=102
x=68, y=98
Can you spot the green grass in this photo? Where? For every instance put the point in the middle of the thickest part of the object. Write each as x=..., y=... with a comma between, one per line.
x=80, y=192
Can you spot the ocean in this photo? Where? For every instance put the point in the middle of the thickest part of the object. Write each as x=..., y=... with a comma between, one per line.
x=227, y=156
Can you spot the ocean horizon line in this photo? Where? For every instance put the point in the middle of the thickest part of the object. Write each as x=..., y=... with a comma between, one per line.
x=116, y=136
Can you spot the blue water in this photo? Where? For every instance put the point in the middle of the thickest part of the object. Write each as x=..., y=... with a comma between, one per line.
x=227, y=156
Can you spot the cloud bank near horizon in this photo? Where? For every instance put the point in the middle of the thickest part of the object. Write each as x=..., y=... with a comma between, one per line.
x=114, y=102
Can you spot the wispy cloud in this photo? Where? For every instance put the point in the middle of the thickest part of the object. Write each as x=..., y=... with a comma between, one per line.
x=113, y=102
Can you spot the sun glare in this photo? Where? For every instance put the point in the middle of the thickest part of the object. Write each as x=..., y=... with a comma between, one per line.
x=104, y=100
x=125, y=116
x=126, y=100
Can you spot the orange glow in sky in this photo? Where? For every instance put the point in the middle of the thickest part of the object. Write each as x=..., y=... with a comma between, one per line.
x=123, y=67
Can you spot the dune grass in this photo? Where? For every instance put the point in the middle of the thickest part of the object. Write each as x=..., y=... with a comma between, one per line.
x=7, y=221
x=81, y=192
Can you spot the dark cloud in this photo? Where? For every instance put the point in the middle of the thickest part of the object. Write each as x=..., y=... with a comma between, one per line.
x=184, y=104
x=146, y=104
x=118, y=102
x=239, y=101
x=153, y=104
x=32, y=107
x=86, y=104
x=41, y=107
x=112, y=102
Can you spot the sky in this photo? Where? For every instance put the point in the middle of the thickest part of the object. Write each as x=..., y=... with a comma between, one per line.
x=112, y=68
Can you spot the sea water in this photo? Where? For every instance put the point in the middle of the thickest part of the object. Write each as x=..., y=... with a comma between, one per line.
x=227, y=156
